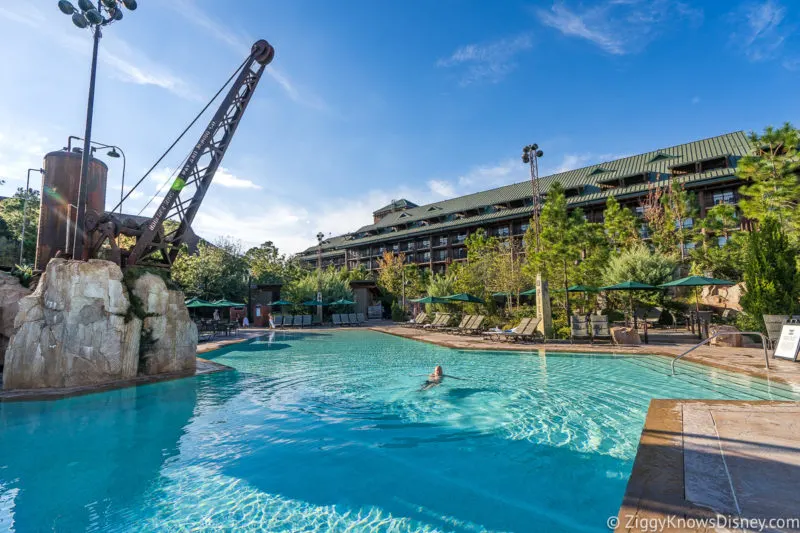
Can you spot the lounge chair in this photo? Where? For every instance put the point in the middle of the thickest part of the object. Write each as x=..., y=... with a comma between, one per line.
x=528, y=333
x=336, y=319
x=474, y=328
x=437, y=320
x=600, y=327
x=353, y=319
x=298, y=321
x=579, y=329
x=306, y=321
x=277, y=320
x=360, y=317
x=498, y=334
x=421, y=317
x=466, y=319
x=345, y=318
x=774, y=325
x=426, y=321
x=444, y=322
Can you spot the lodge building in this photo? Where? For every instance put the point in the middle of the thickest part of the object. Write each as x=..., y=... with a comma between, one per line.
x=432, y=236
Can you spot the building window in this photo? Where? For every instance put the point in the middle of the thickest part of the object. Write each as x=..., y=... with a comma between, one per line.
x=724, y=197
x=711, y=164
x=639, y=211
x=524, y=227
x=722, y=240
x=425, y=244
x=688, y=223
x=441, y=255
x=461, y=237
x=441, y=241
x=460, y=253
x=425, y=256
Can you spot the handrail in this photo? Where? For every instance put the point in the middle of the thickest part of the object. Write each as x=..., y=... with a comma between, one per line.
x=707, y=340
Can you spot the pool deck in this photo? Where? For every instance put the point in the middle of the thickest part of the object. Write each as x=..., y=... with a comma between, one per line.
x=748, y=361
x=698, y=460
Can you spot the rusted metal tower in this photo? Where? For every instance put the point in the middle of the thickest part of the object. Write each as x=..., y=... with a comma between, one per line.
x=531, y=155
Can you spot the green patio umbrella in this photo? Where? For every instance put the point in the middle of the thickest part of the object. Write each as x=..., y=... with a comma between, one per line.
x=312, y=303
x=431, y=300
x=226, y=303
x=464, y=297
x=630, y=286
x=582, y=288
x=343, y=301
x=696, y=281
x=282, y=302
x=195, y=303
x=500, y=295
x=531, y=292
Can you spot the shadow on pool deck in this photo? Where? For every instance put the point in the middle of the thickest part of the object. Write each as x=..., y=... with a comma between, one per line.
x=700, y=459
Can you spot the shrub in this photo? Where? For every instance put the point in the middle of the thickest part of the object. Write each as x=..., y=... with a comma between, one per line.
x=397, y=312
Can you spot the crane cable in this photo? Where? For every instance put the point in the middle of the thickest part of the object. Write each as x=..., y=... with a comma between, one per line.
x=192, y=123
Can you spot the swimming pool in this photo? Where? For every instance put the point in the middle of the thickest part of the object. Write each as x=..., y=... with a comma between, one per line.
x=329, y=432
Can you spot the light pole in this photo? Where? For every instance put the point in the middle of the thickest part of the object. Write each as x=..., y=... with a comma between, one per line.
x=95, y=18
x=115, y=152
x=531, y=155
x=320, y=236
x=25, y=212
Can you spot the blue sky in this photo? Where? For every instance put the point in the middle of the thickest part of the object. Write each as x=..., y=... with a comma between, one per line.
x=369, y=101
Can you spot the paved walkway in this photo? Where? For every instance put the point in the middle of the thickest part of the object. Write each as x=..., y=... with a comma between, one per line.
x=743, y=360
x=702, y=465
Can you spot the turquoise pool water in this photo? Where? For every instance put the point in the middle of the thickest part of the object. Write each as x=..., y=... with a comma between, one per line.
x=329, y=432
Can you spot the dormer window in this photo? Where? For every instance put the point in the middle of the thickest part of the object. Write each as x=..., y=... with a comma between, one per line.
x=599, y=170
x=681, y=170
x=712, y=164
x=660, y=156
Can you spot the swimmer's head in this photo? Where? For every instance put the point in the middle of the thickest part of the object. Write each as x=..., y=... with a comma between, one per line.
x=438, y=370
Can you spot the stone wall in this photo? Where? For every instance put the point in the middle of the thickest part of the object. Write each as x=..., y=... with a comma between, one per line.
x=11, y=291
x=82, y=326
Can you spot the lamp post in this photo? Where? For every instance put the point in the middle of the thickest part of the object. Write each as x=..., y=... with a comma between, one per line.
x=115, y=152
x=531, y=155
x=87, y=15
x=320, y=236
x=25, y=212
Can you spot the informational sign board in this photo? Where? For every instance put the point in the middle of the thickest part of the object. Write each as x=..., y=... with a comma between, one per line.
x=375, y=312
x=789, y=342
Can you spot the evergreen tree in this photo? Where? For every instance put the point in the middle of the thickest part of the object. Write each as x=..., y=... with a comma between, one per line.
x=620, y=225
x=772, y=176
x=772, y=282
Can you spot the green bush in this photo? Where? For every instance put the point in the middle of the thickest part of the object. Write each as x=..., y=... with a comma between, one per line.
x=397, y=312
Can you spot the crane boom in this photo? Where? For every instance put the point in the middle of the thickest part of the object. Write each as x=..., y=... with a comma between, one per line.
x=154, y=244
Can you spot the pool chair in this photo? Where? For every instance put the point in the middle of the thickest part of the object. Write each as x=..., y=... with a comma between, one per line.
x=345, y=318
x=500, y=335
x=287, y=321
x=444, y=321
x=475, y=327
x=277, y=320
x=579, y=329
x=360, y=318
x=336, y=319
x=420, y=321
x=774, y=325
x=600, y=329
x=437, y=319
x=306, y=321
x=527, y=334
x=353, y=319
x=298, y=321
x=466, y=319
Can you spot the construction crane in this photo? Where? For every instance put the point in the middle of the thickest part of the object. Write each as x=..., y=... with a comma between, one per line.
x=153, y=243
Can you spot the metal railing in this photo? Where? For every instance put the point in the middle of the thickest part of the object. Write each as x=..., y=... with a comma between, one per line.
x=708, y=339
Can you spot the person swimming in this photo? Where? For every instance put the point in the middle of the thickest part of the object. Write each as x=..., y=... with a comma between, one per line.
x=436, y=378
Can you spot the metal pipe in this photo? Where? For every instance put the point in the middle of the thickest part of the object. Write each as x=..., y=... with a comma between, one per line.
x=708, y=339
x=86, y=156
x=114, y=147
x=25, y=212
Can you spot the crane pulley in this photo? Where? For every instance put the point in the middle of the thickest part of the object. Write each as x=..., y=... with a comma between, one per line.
x=155, y=244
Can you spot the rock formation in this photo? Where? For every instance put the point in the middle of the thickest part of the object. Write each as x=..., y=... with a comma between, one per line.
x=11, y=291
x=625, y=336
x=728, y=336
x=83, y=326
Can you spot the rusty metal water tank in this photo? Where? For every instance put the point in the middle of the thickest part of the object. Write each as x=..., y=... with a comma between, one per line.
x=62, y=171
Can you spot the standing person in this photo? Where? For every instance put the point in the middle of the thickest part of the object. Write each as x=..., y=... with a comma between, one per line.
x=269, y=318
x=216, y=314
x=245, y=322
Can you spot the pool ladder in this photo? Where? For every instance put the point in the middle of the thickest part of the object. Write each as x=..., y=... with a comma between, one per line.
x=708, y=339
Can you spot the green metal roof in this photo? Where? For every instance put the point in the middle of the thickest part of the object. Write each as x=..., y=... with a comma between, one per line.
x=588, y=178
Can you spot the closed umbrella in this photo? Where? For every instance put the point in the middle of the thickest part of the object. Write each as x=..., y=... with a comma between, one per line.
x=697, y=281
x=464, y=297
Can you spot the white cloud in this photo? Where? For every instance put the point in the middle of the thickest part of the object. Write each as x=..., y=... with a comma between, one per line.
x=489, y=62
x=226, y=179
x=572, y=161
x=142, y=71
x=20, y=149
x=762, y=29
x=618, y=27
x=442, y=188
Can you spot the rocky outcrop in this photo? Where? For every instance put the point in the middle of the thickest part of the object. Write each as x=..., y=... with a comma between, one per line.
x=169, y=336
x=725, y=297
x=83, y=326
x=625, y=336
x=728, y=336
x=74, y=330
x=11, y=291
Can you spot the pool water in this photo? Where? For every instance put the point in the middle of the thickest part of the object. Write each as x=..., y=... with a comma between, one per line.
x=330, y=432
